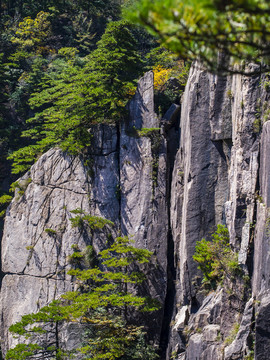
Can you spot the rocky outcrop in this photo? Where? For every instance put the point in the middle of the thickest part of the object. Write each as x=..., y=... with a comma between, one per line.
x=244, y=162
x=167, y=185
x=262, y=342
x=261, y=284
x=215, y=180
x=38, y=235
x=200, y=178
x=241, y=343
x=141, y=107
x=123, y=178
x=143, y=188
x=261, y=246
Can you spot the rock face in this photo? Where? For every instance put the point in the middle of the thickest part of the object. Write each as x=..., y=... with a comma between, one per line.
x=141, y=107
x=200, y=178
x=167, y=183
x=216, y=180
x=38, y=234
x=261, y=284
x=124, y=180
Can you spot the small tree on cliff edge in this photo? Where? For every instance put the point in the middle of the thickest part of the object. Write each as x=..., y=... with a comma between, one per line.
x=97, y=308
x=216, y=259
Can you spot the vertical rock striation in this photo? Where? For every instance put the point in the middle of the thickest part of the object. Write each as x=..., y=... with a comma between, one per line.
x=38, y=234
x=166, y=185
x=200, y=176
x=124, y=179
x=215, y=180
x=143, y=179
x=261, y=277
x=244, y=164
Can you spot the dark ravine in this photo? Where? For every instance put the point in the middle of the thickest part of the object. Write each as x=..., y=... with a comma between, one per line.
x=209, y=165
x=171, y=127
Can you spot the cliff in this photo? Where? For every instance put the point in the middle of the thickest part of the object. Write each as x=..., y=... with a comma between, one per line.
x=168, y=183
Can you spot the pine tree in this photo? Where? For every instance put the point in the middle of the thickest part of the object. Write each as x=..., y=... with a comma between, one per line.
x=99, y=306
x=75, y=97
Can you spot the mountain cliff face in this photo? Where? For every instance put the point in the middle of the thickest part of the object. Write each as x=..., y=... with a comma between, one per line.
x=168, y=183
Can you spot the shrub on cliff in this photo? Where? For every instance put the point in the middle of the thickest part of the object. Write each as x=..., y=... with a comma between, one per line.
x=216, y=258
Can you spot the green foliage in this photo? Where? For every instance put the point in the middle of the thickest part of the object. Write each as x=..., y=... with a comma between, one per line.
x=80, y=95
x=198, y=29
x=27, y=60
x=21, y=186
x=100, y=306
x=165, y=59
x=9, y=132
x=58, y=80
x=50, y=231
x=32, y=34
x=170, y=77
x=93, y=222
x=32, y=45
x=162, y=57
x=216, y=259
x=6, y=199
x=149, y=132
x=231, y=337
x=94, y=8
x=250, y=356
x=257, y=126
x=85, y=258
x=129, y=342
x=4, y=202
x=3, y=82
x=23, y=352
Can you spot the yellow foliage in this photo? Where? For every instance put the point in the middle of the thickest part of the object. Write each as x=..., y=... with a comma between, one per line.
x=131, y=91
x=161, y=75
x=33, y=33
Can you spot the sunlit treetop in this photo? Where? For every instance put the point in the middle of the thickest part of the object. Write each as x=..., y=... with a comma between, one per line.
x=205, y=29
